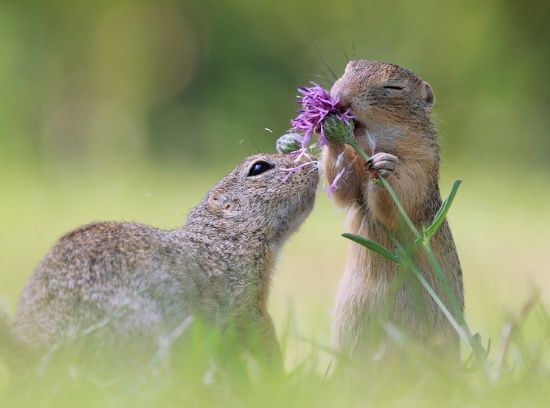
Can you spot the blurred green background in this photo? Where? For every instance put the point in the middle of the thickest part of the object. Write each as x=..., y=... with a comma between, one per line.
x=133, y=109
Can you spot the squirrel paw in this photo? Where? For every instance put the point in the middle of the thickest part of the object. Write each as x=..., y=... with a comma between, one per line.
x=382, y=164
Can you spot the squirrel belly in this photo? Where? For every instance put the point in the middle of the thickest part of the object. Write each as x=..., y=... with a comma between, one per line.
x=392, y=110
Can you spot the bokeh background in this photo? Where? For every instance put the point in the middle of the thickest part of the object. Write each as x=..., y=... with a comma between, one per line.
x=131, y=110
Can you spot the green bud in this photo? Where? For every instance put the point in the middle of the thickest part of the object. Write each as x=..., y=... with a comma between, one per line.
x=337, y=130
x=288, y=143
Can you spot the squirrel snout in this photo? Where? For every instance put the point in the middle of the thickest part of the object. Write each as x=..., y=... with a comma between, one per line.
x=307, y=159
x=343, y=96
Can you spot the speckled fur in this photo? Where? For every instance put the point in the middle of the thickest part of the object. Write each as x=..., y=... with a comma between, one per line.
x=397, y=122
x=217, y=267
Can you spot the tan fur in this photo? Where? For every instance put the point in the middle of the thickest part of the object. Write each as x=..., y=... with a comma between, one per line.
x=217, y=267
x=372, y=290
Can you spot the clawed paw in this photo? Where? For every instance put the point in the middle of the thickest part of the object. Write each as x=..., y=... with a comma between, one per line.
x=382, y=164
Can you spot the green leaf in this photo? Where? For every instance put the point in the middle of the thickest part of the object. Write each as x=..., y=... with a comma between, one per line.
x=442, y=213
x=373, y=246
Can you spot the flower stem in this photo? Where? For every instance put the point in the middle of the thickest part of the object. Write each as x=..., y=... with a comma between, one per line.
x=457, y=312
x=353, y=143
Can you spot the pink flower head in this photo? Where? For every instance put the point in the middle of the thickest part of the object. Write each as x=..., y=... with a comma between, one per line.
x=317, y=104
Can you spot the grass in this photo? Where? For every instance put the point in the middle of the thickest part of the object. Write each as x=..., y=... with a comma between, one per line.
x=500, y=226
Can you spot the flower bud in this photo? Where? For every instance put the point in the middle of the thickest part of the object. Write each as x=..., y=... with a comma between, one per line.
x=288, y=143
x=337, y=130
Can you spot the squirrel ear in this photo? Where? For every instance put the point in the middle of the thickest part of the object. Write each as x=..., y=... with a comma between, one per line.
x=427, y=94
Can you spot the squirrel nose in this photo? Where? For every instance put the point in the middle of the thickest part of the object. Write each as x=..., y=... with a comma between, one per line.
x=340, y=93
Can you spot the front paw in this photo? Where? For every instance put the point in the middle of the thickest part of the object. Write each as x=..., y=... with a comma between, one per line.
x=382, y=164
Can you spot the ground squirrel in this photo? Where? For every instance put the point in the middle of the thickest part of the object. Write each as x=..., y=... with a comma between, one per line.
x=218, y=266
x=392, y=110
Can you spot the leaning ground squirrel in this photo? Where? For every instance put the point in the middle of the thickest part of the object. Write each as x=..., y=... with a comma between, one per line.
x=217, y=267
x=392, y=110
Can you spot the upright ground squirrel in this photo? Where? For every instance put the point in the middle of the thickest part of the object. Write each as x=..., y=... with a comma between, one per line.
x=393, y=123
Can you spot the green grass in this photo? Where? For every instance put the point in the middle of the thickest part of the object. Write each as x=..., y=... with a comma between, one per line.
x=500, y=223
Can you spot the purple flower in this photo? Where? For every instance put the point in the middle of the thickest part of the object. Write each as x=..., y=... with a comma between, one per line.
x=317, y=104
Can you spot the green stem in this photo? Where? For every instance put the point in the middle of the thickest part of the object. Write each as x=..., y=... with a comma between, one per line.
x=353, y=143
x=461, y=328
x=457, y=311
x=402, y=211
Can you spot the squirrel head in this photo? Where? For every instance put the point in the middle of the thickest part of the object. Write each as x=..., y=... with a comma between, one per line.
x=386, y=99
x=265, y=199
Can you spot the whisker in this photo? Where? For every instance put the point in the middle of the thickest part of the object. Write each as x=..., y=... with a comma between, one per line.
x=258, y=150
x=323, y=79
x=345, y=56
x=324, y=62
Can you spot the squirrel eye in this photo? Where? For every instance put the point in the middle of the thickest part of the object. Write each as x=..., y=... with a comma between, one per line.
x=393, y=87
x=259, y=167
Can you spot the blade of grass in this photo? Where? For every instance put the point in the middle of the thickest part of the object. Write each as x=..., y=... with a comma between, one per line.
x=373, y=246
x=510, y=330
x=442, y=213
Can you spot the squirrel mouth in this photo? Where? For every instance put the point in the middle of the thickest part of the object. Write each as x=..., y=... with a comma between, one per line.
x=359, y=128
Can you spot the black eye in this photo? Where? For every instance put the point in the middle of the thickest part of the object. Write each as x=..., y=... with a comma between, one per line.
x=259, y=167
x=393, y=87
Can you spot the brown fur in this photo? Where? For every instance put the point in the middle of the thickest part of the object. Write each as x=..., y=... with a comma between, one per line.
x=372, y=290
x=217, y=267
